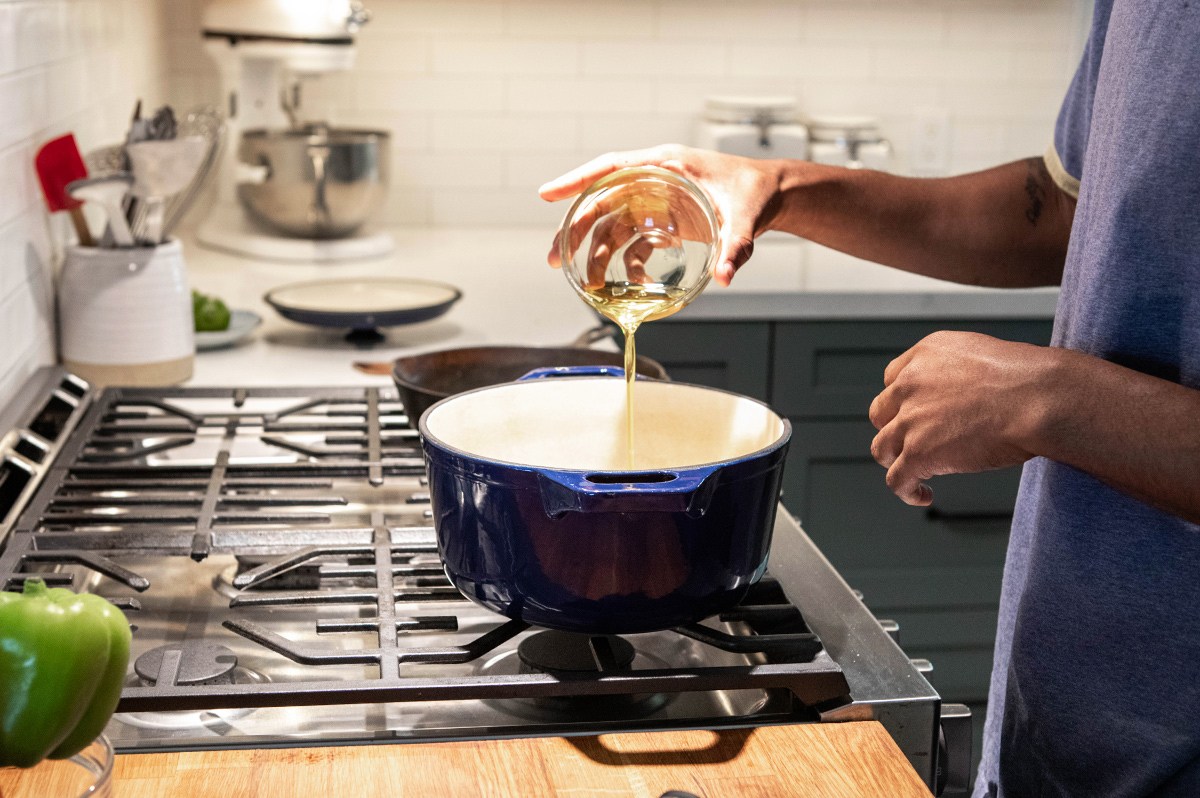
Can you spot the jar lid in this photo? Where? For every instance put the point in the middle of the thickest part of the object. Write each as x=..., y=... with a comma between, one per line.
x=750, y=110
x=836, y=128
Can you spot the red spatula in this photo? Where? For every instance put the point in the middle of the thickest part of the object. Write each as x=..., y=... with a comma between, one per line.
x=58, y=163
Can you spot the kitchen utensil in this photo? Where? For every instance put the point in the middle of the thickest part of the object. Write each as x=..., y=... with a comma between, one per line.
x=241, y=324
x=537, y=517
x=109, y=193
x=106, y=160
x=639, y=244
x=430, y=377
x=209, y=125
x=161, y=169
x=316, y=182
x=363, y=304
x=58, y=163
x=126, y=315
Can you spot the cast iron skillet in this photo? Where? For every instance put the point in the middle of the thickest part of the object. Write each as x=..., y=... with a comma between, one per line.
x=425, y=379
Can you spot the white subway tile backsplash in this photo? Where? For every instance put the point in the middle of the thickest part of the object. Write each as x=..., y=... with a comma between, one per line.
x=753, y=59
x=687, y=96
x=454, y=171
x=886, y=23
x=950, y=64
x=603, y=132
x=662, y=60
x=8, y=38
x=687, y=21
x=583, y=95
x=482, y=94
x=502, y=133
x=430, y=94
x=581, y=19
x=463, y=207
x=504, y=57
x=65, y=66
x=16, y=177
x=1016, y=22
x=449, y=18
x=527, y=172
x=394, y=54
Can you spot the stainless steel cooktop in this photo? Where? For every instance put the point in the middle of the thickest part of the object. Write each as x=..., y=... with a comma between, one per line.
x=273, y=549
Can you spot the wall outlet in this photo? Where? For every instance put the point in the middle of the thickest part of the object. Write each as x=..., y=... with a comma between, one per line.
x=931, y=142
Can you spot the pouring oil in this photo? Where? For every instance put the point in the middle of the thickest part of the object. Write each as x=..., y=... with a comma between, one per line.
x=628, y=305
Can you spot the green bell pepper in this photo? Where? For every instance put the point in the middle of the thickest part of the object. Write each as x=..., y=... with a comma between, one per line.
x=62, y=663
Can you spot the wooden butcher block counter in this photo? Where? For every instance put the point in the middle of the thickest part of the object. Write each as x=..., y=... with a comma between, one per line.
x=836, y=760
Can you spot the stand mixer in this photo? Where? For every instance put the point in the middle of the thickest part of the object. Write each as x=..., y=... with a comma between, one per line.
x=264, y=49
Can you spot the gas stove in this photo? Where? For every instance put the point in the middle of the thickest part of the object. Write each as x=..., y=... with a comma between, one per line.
x=274, y=552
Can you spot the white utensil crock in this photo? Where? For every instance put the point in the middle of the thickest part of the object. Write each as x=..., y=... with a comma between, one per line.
x=125, y=315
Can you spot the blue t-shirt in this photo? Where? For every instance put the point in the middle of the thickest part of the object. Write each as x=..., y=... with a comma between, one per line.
x=1096, y=684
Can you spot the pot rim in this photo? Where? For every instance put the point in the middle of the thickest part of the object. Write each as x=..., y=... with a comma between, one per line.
x=784, y=438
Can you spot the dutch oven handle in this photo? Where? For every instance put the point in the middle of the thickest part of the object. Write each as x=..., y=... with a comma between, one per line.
x=574, y=371
x=687, y=491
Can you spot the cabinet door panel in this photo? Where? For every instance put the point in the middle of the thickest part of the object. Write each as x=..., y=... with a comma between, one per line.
x=838, y=491
x=835, y=369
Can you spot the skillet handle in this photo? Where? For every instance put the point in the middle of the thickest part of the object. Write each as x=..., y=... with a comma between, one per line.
x=627, y=492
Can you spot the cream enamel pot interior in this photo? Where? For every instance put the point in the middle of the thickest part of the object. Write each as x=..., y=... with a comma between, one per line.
x=539, y=517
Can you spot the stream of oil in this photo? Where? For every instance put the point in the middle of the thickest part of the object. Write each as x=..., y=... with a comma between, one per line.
x=629, y=305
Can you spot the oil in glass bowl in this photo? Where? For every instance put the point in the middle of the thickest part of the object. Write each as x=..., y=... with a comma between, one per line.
x=639, y=245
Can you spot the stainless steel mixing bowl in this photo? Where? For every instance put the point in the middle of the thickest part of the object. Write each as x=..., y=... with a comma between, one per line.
x=314, y=182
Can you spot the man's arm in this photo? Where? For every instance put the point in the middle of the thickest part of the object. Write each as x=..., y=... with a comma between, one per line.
x=962, y=402
x=1006, y=226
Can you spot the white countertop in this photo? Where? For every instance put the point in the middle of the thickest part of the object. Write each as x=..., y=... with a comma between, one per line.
x=510, y=296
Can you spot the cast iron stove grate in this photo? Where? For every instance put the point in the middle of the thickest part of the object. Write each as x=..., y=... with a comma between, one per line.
x=327, y=482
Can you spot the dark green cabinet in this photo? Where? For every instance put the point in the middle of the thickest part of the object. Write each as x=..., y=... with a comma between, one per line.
x=936, y=570
x=734, y=356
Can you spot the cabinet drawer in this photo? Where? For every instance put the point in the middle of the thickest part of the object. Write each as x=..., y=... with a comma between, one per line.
x=732, y=356
x=835, y=369
x=835, y=487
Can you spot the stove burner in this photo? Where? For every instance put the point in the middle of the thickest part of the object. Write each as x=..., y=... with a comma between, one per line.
x=554, y=651
x=216, y=721
x=191, y=663
x=573, y=655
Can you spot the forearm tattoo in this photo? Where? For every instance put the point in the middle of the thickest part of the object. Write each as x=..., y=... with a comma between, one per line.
x=1037, y=187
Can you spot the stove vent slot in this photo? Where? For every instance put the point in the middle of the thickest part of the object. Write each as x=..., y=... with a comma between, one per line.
x=74, y=386
x=31, y=449
x=52, y=419
x=13, y=478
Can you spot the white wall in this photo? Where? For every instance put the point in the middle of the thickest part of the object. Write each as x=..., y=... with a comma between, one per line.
x=65, y=66
x=487, y=99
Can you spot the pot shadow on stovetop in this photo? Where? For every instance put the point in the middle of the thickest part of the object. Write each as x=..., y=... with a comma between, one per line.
x=726, y=746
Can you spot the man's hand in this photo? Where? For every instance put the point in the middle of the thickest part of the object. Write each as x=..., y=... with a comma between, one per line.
x=957, y=402
x=744, y=192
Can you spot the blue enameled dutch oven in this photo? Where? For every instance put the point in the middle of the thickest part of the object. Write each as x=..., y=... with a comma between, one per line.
x=541, y=517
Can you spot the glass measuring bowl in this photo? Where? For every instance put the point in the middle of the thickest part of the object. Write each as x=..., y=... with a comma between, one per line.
x=639, y=244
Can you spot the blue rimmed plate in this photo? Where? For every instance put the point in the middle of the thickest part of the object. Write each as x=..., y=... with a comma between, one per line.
x=363, y=304
x=241, y=324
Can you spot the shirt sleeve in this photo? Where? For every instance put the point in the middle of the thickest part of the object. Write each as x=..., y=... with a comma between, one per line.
x=1065, y=157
